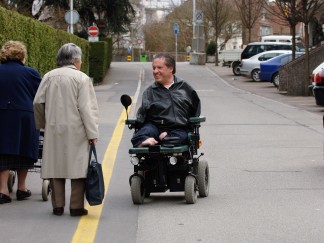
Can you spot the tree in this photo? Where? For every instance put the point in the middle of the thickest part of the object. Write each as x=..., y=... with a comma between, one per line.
x=159, y=35
x=285, y=12
x=113, y=15
x=249, y=11
x=217, y=12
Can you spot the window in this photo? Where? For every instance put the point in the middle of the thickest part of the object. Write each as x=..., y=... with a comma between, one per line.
x=267, y=56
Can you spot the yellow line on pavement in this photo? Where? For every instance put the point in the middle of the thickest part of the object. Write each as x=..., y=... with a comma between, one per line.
x=87, y=227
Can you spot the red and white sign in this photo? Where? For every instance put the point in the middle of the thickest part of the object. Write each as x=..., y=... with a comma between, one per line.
x=93, y=31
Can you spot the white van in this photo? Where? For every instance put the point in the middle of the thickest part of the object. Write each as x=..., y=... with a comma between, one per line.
x=284, y=39
x=279, y=38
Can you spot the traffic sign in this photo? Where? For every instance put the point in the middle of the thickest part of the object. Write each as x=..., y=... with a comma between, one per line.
x=93, y=30
x=93, y=38
x=199, y=16
x=75, y=16
x=176, y=28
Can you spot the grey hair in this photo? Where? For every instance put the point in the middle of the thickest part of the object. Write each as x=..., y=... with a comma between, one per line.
x=68, y=54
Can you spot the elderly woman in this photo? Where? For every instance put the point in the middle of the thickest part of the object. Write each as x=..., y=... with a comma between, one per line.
x=66, y=107
x=18, y=135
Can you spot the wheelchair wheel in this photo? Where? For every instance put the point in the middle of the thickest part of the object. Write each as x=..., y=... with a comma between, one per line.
x=203, y=178
x=190, y=190
x=137, y=190
x=45, y=189
x=11, y=180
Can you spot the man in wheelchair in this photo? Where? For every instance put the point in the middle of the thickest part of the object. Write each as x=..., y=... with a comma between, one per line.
x=166, y=106
x=166, y=138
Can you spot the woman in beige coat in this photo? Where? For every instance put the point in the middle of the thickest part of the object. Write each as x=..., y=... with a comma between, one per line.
x=65, y=106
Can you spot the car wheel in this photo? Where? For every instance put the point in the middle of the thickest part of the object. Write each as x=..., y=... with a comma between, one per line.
x=275, y=80
x=236, y=69
x=255, y=75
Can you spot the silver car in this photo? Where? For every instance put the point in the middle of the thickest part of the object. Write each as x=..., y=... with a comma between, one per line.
x=251, y=67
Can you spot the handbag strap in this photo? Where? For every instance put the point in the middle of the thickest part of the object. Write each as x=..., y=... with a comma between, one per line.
x=93, y=150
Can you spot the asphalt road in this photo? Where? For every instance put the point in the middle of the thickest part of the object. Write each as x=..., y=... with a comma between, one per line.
x=265, y=153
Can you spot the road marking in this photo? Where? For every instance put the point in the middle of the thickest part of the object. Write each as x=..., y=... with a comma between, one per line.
x=134, y=100
x=87, y=227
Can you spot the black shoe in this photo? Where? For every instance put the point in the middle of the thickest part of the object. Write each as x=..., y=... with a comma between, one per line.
x=4, y=198
x=58, y=211
x=78, y=212
x=21, y=195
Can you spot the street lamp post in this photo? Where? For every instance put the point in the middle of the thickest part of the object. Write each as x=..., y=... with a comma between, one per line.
x=132, y=40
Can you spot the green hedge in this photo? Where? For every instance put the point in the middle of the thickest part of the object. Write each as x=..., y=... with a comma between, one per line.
x=211, y=48
x=100, y=59
x=110, y=50
x=42, y=41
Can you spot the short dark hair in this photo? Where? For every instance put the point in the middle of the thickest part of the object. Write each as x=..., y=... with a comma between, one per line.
x=168, y=59
x=68, y=54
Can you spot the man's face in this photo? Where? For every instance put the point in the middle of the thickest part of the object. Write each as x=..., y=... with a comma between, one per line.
x=162, y=74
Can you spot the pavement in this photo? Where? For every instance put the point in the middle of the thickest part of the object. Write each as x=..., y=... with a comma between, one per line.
x=266, y=89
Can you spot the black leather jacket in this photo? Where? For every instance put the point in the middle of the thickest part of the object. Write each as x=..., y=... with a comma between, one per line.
x=169, y=108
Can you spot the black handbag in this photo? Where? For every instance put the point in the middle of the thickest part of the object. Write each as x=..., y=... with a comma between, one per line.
x=95, y=186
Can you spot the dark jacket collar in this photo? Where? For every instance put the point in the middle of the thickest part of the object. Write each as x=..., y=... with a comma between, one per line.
x=175, y=78
x=13, y=62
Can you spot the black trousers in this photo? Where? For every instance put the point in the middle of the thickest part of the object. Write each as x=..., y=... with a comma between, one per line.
x=149, y=130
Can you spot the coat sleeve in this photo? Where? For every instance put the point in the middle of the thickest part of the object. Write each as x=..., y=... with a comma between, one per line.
x=39, y=105
x=141, y=113
x=88, y=108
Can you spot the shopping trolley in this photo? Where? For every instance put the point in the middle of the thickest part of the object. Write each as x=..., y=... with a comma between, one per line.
x=37, y=168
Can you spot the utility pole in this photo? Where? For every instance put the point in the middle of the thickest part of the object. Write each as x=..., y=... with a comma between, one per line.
x=71, y=17
x=193, y=21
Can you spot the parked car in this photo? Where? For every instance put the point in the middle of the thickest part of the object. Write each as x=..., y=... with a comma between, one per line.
x=258, y=47
x=251, y=67
x=318, y=84
x=269, y=69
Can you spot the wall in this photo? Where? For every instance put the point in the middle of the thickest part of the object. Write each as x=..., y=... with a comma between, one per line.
x=292, y=75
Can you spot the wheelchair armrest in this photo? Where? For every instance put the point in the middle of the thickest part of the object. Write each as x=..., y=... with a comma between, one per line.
x=197, y=120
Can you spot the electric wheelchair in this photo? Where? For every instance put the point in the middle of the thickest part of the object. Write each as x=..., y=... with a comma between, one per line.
x=168, y=166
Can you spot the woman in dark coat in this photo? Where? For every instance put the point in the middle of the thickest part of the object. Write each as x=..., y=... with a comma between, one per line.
x=18, y=135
